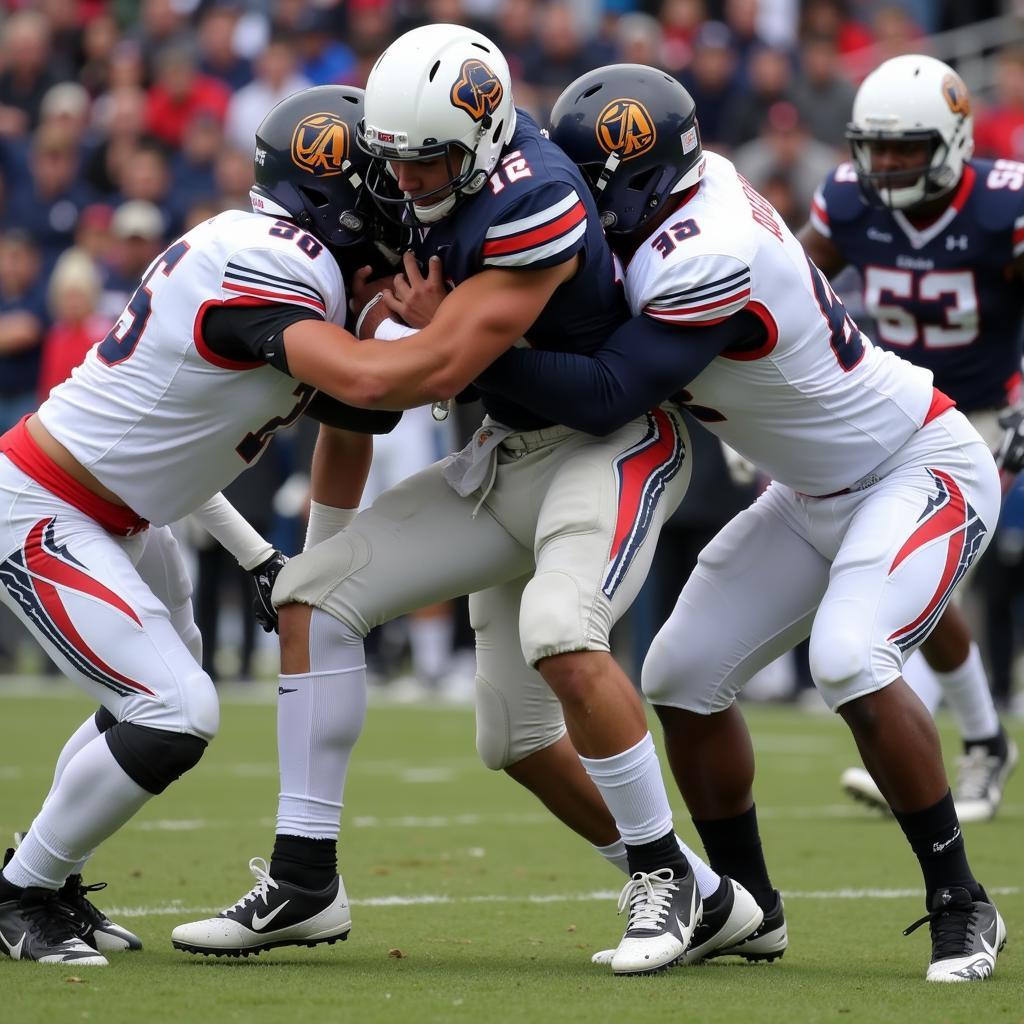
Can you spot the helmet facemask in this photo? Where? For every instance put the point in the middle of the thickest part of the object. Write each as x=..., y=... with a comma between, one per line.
x=904, y=187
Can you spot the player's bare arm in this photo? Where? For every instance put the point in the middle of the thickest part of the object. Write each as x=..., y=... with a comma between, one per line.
x=823, y=251
x=341, y=463
x=478, y=321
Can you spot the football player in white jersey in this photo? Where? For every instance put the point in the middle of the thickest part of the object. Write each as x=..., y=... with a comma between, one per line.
x=178, y=399
x=938, y=238
x=882, y=495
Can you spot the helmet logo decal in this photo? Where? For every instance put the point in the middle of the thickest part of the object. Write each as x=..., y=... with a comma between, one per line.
x=626, y=129
x=320, y=144
x=478, y=91
x=955, y=93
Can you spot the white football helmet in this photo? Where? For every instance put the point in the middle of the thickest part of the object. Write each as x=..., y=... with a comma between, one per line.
x=912, y=98
x=435, y=89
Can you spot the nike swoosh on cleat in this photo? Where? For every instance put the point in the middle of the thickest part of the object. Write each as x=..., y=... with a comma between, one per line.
x=990, y=947
x=259, y=923
x=284, y=689
x=15, y=949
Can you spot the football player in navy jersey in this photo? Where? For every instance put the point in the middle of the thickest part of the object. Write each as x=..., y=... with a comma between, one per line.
x=550, y=531
x=938, y=238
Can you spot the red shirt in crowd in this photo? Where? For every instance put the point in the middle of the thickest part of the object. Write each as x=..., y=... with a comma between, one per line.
x=167, y=118
x=65, y=346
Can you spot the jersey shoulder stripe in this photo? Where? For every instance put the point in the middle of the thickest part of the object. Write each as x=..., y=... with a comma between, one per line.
x=241, y=279
x=704, y=291
x=543, y=235
x=1018, y=236
x=240, y=272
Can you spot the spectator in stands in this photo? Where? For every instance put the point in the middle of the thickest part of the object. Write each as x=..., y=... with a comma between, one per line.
x=560, y=55
x=160, y=22
x=370, y=28
x=23, y=322
x=93, y=235
x=233, y=176
x=48, y=202
x=76, y=326
x=999, y=131
x=770, y=74
x=277, y=76
x=137, y=228
x=26, y=72
x=515, y=32
x=119, y=120
x=822, y=95
x=180, y=92
x=680, y=20
x=831, y=19
x=711, y=81
x=192, y=166
x=741, y=17
x=147, y=175
x=785, y=150
x=67, y=104
x=895, y=33
x=100, y=38
x=323, y=57
x=640, y=40
x=218, y=57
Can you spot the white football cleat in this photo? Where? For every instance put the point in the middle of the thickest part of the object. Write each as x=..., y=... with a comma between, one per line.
x=299, y=917
x=664, y=911
x=981, y=776
x=967, y=936
x=857, y=782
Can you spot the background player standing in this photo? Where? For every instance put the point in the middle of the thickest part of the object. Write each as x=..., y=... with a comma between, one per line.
x=938, y=239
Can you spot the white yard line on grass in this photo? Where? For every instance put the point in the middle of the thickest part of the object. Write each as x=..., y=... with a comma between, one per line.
x=175, y=908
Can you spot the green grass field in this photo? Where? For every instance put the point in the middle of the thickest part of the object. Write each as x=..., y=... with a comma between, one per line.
x=494, y=907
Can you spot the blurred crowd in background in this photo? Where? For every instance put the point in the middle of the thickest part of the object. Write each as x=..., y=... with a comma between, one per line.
x=122, y=124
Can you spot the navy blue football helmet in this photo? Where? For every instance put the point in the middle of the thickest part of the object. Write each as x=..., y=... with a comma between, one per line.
x=309, y=168
x=632, y=130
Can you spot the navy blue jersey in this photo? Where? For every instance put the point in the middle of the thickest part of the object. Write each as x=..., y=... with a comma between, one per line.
x=941, y=294
x=534, y=212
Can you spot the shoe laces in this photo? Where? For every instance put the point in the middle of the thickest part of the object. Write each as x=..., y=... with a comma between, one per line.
x=975, y=770
x=952, y=930
x=54, y=920
x=264, y=883
x=74, y=895
x=648, y=897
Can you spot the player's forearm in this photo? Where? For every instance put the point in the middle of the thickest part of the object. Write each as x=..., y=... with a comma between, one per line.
x=341, y=463
x=233, y=532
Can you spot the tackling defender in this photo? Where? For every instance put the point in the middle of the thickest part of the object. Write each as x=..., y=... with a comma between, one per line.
x=938, y=239
x=882, y=495
x=175, y=402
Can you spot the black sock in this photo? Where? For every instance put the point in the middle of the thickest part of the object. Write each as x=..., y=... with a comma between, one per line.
x=934, y=836
x=9, y=891
x=995, y=746
x=662, y=853
x=309, y=863
x=733, y=846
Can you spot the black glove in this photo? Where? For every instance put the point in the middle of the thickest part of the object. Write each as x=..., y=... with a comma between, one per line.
x=1010, y=455
x=263, y=577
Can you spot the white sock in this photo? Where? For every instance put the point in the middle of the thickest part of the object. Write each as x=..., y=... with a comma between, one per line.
x=918, y=675
x=92, y=800
x=320, y=715
x=430, y=640
x=634, y=792
x=708, y=880
x=967, y=691
x=84, y=734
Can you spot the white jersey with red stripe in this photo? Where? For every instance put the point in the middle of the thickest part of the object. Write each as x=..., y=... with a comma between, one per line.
x=817, y=406
x=152, y=412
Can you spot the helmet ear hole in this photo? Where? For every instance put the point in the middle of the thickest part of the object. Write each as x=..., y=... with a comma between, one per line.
x=315, y=196
x=497, y=133
x=640, y=182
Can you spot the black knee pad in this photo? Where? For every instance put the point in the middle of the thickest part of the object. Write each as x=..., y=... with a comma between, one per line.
x=104, y=719
x=154, y=758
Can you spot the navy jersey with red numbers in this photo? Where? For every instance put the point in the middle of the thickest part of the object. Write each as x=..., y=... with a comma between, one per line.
x=535, y=211
x=940, y=293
